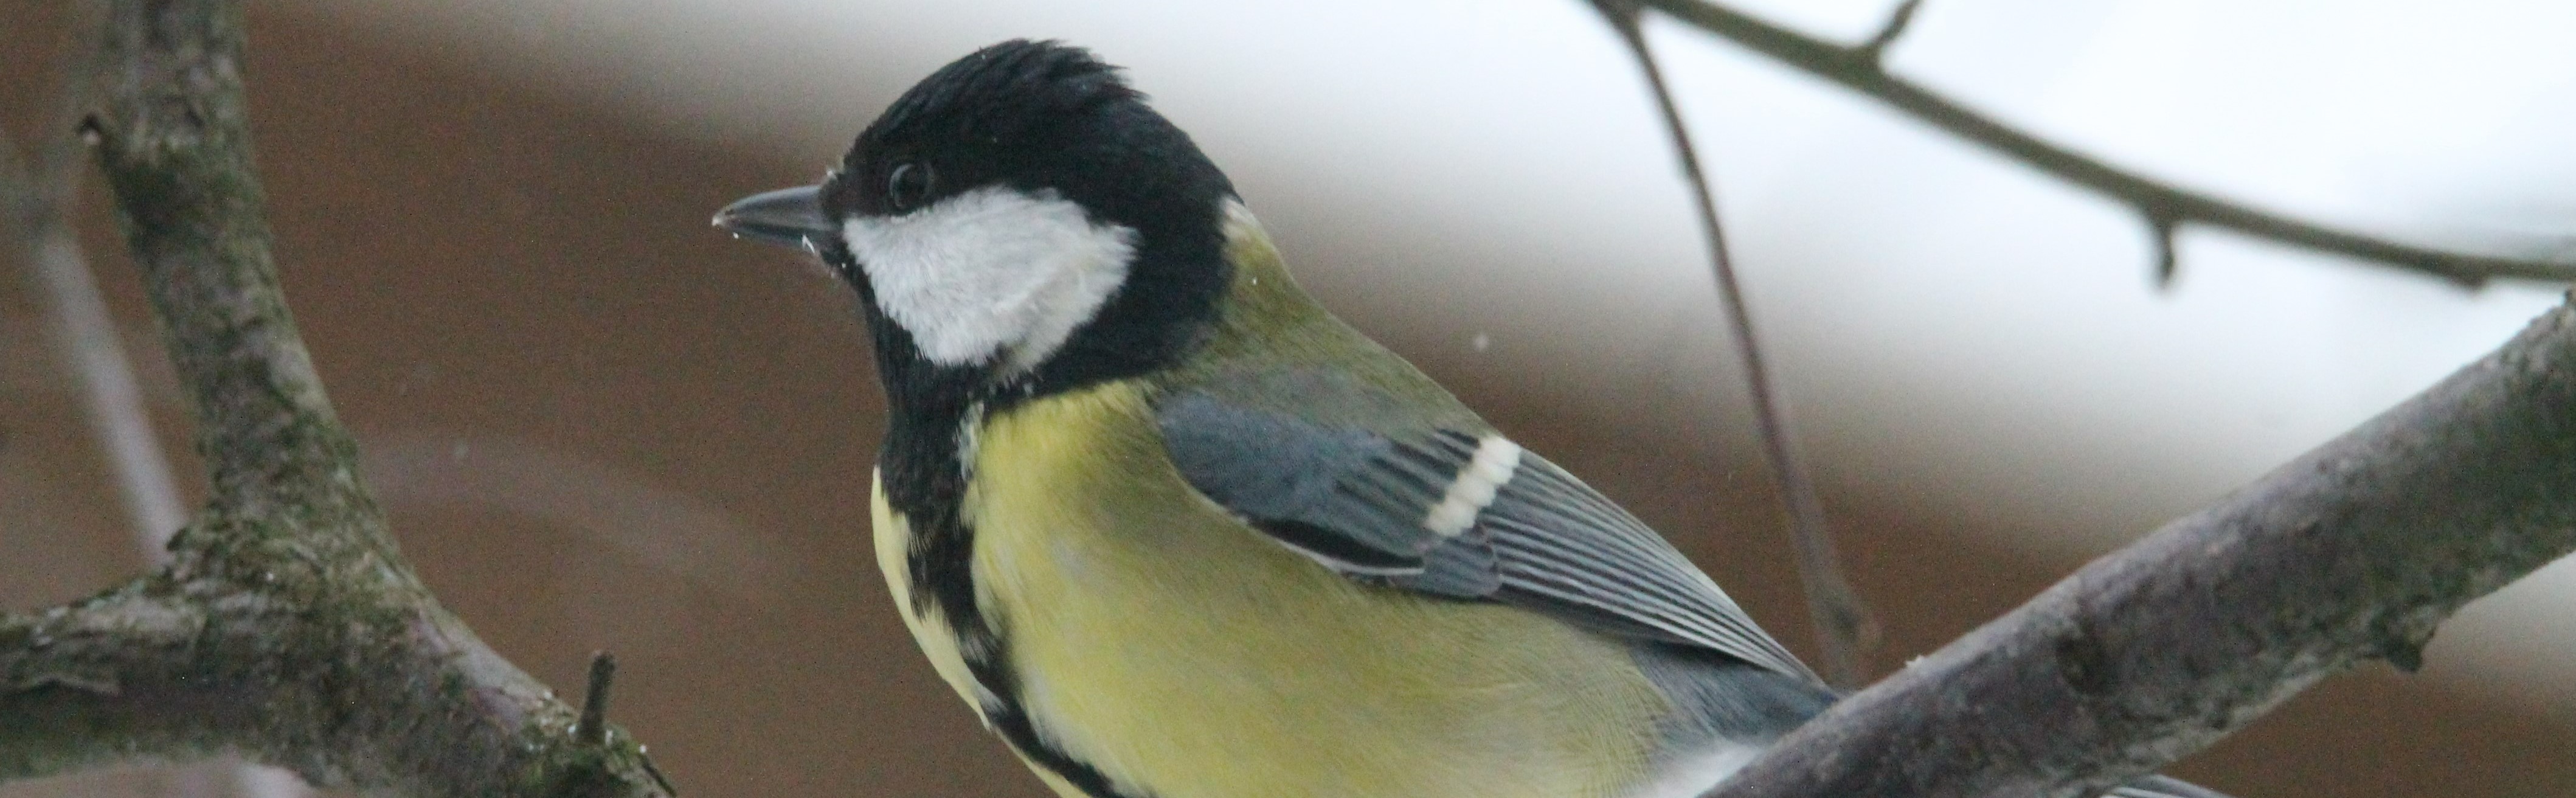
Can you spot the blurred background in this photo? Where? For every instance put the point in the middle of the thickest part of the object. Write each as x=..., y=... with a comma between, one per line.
x=597, y=423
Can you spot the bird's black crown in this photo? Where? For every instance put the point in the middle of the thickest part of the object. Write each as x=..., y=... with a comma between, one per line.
x=1031, y=115
x=999, y=93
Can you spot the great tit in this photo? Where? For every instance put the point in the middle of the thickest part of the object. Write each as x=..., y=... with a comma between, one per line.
x=1174, y=531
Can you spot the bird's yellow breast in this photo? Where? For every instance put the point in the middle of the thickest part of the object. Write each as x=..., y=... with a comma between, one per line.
x=1182, y=654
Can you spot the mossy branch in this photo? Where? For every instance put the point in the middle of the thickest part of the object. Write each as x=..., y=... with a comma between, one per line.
x=287, y=628
x=2355, y=551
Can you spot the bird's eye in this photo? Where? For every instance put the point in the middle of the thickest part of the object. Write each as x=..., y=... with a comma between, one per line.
x=908, y=186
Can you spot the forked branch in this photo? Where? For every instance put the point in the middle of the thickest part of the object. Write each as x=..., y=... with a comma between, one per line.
x=2354, y=551
x=2163, y=207
x=286, y=627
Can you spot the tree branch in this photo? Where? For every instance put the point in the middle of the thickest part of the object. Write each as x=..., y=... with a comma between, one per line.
x=1897, y=21
x=39, y=196
x=1844, y=630
x=287, y=627
x=2354, y=551
x=2159, y=205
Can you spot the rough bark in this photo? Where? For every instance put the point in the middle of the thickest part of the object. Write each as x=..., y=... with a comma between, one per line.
x=287, y=627
x=2355, y=551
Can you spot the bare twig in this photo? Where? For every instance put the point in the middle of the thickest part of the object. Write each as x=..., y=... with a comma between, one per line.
x=1857, y=68
x=1876, y=48
x=1843, y=627
x=41, y=197
x=95, y=350
x=286, y=627
x=2354, y=551
x=2161, y=230
x=593, y=729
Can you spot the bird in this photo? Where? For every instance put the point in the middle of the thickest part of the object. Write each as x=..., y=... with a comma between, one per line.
x=1173, y=530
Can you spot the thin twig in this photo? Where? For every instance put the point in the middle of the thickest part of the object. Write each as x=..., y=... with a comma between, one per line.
x=85, y=330
x=95, y=349
x=1843, y=625
x=1857, y=68
x=1897, y=21
x=2354, y=551
x=594, y=701
x=2160, y=229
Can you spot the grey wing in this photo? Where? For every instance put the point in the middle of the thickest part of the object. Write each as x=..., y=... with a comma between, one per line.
x=1455, y=513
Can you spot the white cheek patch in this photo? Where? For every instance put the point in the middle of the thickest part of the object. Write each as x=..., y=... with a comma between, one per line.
x=992, y=272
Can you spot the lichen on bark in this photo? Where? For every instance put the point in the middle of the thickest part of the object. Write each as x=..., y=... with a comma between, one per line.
x=286, y=627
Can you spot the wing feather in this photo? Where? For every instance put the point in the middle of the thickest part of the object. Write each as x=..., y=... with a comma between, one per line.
x=1370, y=504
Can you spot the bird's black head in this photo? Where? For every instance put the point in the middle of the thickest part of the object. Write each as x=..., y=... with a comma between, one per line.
x=1019, y=223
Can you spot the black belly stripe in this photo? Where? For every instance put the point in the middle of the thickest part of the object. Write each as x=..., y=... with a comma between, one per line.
x=1014, y=726
x=926, y=482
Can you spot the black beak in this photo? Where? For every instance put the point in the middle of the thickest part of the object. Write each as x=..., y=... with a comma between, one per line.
x=789, y=216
